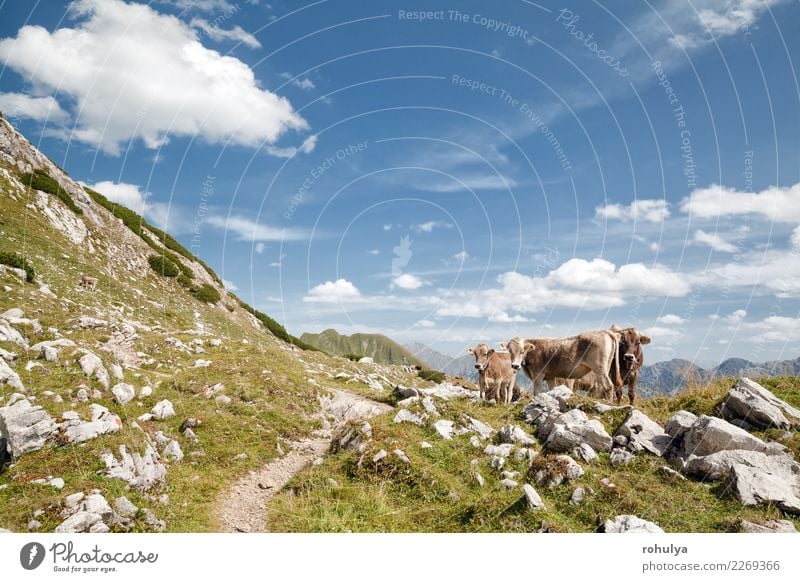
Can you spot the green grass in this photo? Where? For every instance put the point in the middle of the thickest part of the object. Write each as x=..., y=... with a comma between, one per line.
x=163, y=266
x=206, y=293
x=18, y=262
x=431, y=376
x=41, y=180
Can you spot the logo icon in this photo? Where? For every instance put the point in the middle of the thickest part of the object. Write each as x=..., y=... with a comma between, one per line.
x=31, y=555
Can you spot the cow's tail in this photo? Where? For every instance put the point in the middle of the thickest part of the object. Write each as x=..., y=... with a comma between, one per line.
x=617, y=377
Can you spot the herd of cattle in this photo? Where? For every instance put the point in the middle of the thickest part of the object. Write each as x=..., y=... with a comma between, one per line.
x=599, y=362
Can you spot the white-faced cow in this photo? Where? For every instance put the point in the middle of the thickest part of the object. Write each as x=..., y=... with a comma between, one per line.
x=631, y=360
x=545, y=359
x=495, y=374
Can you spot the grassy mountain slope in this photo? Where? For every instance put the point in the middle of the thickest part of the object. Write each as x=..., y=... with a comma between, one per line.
x=377, y=346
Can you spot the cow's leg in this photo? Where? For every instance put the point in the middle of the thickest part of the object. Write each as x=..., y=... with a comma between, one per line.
x=482, y=387
x=510, y=389
x=632, y=390
x=537, y=385
x=606, y=385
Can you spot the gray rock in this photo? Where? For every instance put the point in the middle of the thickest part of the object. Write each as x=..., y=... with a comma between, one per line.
x=366, y=360
x=503, y=450
x=71, y=501
x=150, y=519
x=750, y=402
x=679, y=423
x=141, y=472
x=620, y=441
x=9, y=334
x=145, y=391
x=56, y=483
x=34, y=524
x=404, y=415
x=125, y=508
x=24, y=427
x=509, y=483
x=163, y=410
x=223, y=399
x=86, y=322
x=497, y=463
x=123, y=393
x=718, y=465
x=577, y=496
x=475, y=441
x=620, y=457
x=402, y=392
x=379, y=456
x=116, y=371
x=558, y=470
x=92, y=366
x=425, y=445
x=709, y=435
x=78, y=522
x=10, y=377
x=511, y=433
x=429, y=406
x=483, y=429
x=672, y=473
x=630, y=524
x=509, y=474
x=479, y=478
x=102, y=422
x=99, y=527
x=50, y=354
x=82, y=395
x=644, y=434
x=776, y=481
x=566, y=431
x=444, y=428
x=771, y=526
x=402, y=457
x=585, y=453
x=173, y=451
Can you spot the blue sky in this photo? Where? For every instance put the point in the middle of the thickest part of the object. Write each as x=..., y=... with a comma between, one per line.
x=446, y=172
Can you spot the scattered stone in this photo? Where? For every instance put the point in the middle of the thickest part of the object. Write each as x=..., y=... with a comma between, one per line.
x=566, y=431
x=86, y=322
x=509, y=483
x=379, y=456
x=709, y=435
x=103, y=421
x=145, y=391
x=56, y=483
x=776, y=481
x=585, y=453
x=644, y=434
x=71, y=501
x=404, y=415
x=150, y=519
x=750, y=402
x=146, y=417
x=223, y=399
x=630, y=524
x=10, y=377
x=620, y=457
x=123, y=393
x=771, y=526
x=533, y=499
x=553, y=472
x=24, y=427
x=212, y=390
x=366, y=360
x=402, y=392
x=672, y=473
x=200, y=363
x=92, y=365
x=680, y=423
x=503, y=450
x=99, y=527
x=475, y=441
x=444, y=428
x=483, y=429
x=497, y=463
x=34, y=524
x=511, y=433
x=577, y=496
x=425, y=445
x=429, y=406
x=163, y=410
x=173, y=451
x=606, y=483
x=402, y=456
x=215, y=342
x=139, y=471
x=125, y=508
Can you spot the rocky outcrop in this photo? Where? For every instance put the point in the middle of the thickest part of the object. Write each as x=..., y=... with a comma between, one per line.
x=630, y=524
x=24, y=427
x=102, y=421
x=92, y=366
x=563, y=432
x=750, y=404
x=709, y=434
x=10, y=377
x=644, y=434
x=142, y=472
x=775, y=480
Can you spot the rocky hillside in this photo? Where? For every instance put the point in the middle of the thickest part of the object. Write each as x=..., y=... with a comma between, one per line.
x=153, y=400
x=376, y=346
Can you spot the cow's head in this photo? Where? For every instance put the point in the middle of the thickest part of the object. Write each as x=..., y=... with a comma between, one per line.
x=482, y=353
x=630, y=342
x=517, y=349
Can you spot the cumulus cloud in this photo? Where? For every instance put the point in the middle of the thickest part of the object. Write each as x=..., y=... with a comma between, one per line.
x=425, y=323
x=244, y=228
x=774, y=329
x=374, y=252
x=36, y=108
x=215, y=33
x=408, y=281
x=777, y=204
x=229, y=285
x=135, y=73
x=714, y=240
x=337, y=291
x=736, y=317
x=663, y=335
x=670, y=319
x=260, y=246
x=649, y=210
x=461, y=257
x=503, y=317
x=304, y=84
x=577, y=283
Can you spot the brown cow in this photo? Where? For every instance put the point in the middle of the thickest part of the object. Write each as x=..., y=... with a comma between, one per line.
x=495, y=374
x=544, y=359
x=631, y=360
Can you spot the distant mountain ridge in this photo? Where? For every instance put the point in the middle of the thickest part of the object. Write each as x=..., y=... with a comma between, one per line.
x=374, y=345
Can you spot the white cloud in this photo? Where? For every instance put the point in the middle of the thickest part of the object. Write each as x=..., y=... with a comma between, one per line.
x=247, y=229
x=425, y=323
x=715, y=241
x=337, y=291
x=279, y=263
x=503, y=317
x=287, y=152
x=655, y=247
x=129, y=195
x=202, y=5
x=649, y=210
x=408, y=281
x=577, y=283
x=736, y=317
x=304, y=84
x=260, y=246
x=774, y=329
x=461, y=257
x=430, y=225
x=374, y=252
x=461, y=182
x=663, y=335
x=670, y=319
x=137, y=73
x=37, y=108
x=229, y=285
x=215, y=33
x=777, y=204
x=737, y=15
